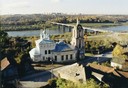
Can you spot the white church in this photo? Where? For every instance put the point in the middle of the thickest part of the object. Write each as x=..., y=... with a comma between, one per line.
x=47, y=50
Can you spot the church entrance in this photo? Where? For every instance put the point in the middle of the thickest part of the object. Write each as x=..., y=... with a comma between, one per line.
x=49, y=59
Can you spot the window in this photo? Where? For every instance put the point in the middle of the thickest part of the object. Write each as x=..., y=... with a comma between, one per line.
x=55, y=58
x=49, y=51
x=66, y=57
x=45, y=51
x=71, y=56
x=62, y=57
x=43, y=58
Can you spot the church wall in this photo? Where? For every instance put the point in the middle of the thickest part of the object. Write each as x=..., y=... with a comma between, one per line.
x=60, y=54
x=45, y=48
x=36, y=58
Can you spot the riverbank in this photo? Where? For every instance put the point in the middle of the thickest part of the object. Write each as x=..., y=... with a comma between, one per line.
x=28, y=33
x=51, y=27
x=27, y=29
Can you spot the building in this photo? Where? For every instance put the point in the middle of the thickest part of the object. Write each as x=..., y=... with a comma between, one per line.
x=47, y=49
x=44, y=46
x=9, y=73
x=117, y=63
x=120, y=63
x=113, y=77
x=78, y=40
x=64, y=52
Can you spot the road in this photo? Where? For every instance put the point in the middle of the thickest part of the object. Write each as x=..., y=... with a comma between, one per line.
x=38, y=77
x=107, y=55
x=43, y=76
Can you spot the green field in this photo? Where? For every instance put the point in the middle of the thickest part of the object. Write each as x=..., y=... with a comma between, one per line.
x=101, y=25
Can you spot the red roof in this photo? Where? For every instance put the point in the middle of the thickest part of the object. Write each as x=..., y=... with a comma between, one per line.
x=4, y=63
x=108, y=70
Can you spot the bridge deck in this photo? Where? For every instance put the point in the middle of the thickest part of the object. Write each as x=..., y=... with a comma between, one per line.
x=70, y=25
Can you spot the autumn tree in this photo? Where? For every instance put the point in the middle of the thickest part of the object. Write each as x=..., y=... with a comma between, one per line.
x=118, y=50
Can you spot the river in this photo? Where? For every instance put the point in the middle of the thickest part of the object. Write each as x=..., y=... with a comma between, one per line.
x=118, y=29
x=57, y=31
x=34, y=32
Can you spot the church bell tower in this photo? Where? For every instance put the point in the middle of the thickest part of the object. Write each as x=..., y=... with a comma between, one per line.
x=78, y=40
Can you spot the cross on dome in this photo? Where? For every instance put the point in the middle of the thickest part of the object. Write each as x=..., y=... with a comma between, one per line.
x=44, y=35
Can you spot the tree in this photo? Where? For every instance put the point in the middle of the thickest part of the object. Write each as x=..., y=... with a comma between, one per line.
x=118, y=51
x=33, y=41
x=62, y=83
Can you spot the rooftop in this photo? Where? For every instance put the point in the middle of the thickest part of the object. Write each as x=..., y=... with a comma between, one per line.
x=109, y=70
x=4, y=63
x=61, y=46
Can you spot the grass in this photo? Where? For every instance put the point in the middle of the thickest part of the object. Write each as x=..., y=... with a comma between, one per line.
x=101, y=25
x=100, y=38
x=89, y=54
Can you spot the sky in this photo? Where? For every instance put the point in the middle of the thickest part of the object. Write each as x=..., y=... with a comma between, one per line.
x=64, y=6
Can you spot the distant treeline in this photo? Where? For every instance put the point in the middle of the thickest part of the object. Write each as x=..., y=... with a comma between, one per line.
x=39, y=21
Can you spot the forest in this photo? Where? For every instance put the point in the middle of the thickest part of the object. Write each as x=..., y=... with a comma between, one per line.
x=39, y=21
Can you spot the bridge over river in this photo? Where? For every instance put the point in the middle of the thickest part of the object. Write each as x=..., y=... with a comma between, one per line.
x=63, y=26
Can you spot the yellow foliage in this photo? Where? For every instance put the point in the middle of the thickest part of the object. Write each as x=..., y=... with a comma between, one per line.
x=18, y=60
x=118, y=51
x=33, y=41
x=85, y=37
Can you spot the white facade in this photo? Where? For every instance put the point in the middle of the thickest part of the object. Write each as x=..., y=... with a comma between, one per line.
x=114, y=64
x=47, y=50
x=43, y=49
x=65, y=56
x=64, y=53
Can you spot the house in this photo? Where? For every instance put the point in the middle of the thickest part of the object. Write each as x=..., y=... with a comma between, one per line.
x=115, y=78
x=47, y=50
x=120, y=63
x=117, y=62
x=108, y=70
x=9, y=72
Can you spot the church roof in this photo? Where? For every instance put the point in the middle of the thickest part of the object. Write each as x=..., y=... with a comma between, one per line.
x=44, y=38
x=61, y=46
x=44, y=41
